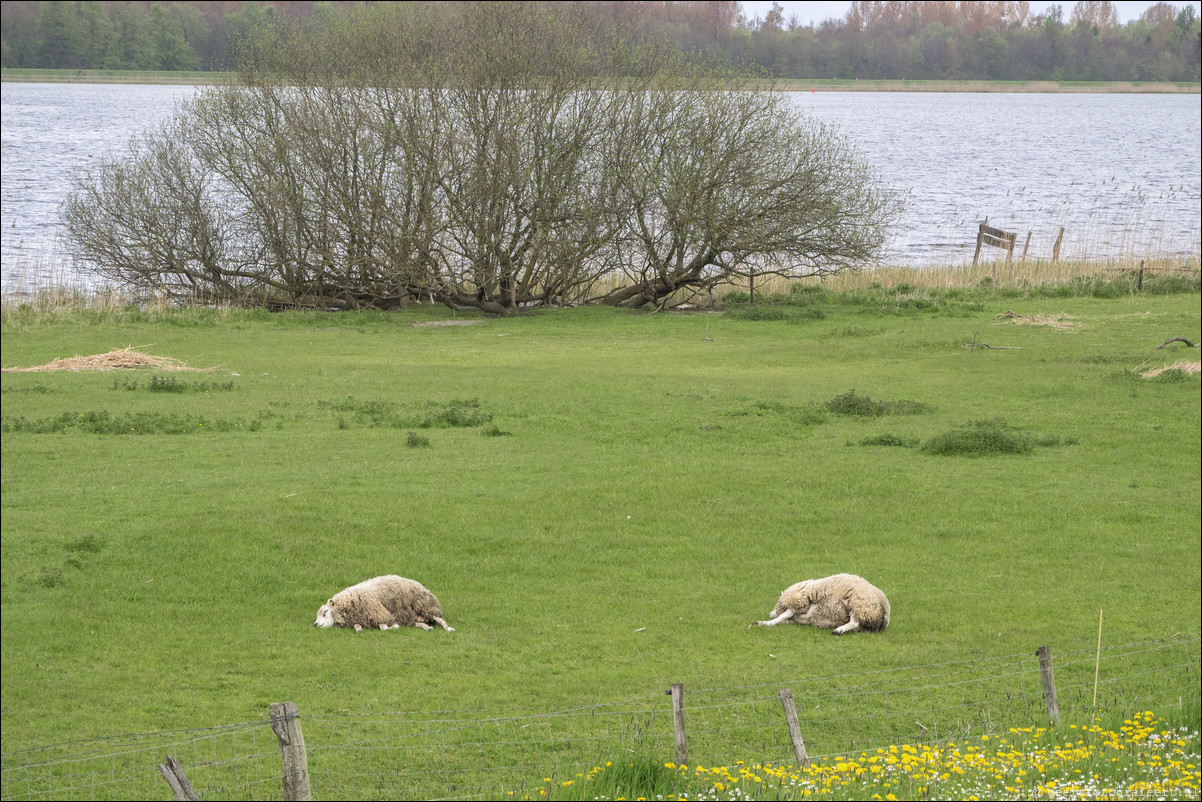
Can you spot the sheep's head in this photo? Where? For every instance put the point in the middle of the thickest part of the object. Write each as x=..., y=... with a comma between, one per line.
x=325, y=616
x=800, y=594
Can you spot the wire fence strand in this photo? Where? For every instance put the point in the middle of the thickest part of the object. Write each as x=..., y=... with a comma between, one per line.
x=482, y=754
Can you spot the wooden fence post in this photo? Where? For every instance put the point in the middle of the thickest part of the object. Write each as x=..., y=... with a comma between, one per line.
x=682, y=748
x=1049, y=684
x=173, y=773
x=1056, y=247
x=988, y=235
x=799, y=747
x=285, y=723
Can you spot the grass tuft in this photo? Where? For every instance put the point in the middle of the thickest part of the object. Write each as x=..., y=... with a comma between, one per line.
x=861, y=406
x=987, y=438
x=890, y=440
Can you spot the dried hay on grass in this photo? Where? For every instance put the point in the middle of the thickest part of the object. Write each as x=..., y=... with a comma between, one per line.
x=1053, y=321
x=122, y=359
x=1183, y=365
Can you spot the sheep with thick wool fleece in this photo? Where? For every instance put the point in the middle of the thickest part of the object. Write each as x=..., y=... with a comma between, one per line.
x=841, y=603
x=385, y=602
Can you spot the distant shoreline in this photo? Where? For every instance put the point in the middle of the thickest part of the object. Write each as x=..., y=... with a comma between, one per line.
x=783, y=84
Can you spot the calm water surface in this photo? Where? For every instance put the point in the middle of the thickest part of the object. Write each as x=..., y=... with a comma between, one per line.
x=1121, y=173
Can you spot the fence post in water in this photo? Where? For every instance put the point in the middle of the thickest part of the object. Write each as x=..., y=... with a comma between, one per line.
x=285, y=723
x=799, y=747
x=682, y=748
x=1049, y=685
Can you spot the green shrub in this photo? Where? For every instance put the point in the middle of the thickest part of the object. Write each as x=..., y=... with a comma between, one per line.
x=861, y=406
x=981, y=438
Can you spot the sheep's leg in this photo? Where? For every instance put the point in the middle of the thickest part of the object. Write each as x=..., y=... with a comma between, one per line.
x=358, y=628
x=422, y=625
x=785, y=616
x=851, y=626
x=804, y=618
x=443, y=624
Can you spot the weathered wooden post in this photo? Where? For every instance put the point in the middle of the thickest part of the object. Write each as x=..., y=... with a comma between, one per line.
x=682, y=748
x=988, y=235
x=1049, y=684
x=285, y=723
x=173, y=773
x=799, y=747
x=1056, y=247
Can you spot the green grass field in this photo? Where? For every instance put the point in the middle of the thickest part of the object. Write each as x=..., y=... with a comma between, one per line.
x=602, y=500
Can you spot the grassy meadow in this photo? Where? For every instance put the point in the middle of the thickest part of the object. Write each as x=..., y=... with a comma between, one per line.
x=602, y=500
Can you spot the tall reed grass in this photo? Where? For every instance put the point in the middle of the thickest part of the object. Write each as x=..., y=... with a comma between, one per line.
x=33, y=291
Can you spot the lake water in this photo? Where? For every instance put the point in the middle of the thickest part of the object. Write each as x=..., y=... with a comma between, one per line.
x=1121, y=173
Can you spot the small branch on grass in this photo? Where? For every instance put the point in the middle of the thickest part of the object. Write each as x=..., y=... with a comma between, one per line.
x=1189, y=343
x=977, y=344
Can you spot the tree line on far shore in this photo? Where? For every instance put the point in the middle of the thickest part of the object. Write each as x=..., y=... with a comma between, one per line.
x=900, y=39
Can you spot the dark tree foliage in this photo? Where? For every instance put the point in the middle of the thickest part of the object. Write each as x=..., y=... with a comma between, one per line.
x=902, y=39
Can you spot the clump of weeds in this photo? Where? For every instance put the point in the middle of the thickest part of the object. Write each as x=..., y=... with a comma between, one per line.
x=431, y=415
x=806, y=415
x=105, y=422
x=861, y=406
x=171, y=384
x=892, y=440
x=987, y=438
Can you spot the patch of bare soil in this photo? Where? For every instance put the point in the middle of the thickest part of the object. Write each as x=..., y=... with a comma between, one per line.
x=1053, y=321
x=121, y=359
x=1183, y=365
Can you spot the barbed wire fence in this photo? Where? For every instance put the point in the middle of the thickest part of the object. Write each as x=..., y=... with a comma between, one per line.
x=484, y=754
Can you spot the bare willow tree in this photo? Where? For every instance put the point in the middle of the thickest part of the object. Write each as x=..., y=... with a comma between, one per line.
x=527, y=204
x=478, y=155
x=151, y=220
x=718, y=183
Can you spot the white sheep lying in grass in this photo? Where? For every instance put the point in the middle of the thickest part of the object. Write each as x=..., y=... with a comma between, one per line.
x=841, y=603
x=386, y=602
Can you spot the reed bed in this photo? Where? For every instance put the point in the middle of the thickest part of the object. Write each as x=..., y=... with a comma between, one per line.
x=55, y=296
